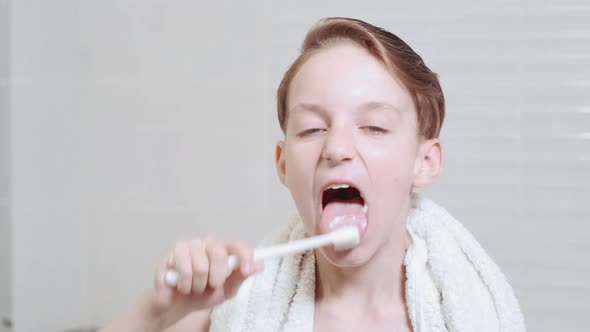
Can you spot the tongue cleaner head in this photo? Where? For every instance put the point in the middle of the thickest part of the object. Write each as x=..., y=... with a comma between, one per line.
x=345, y=238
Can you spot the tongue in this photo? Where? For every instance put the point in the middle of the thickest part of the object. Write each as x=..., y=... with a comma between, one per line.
x=343, y=213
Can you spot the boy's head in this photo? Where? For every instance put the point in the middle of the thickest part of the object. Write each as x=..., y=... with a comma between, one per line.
x=361, y=114
x=397, y=56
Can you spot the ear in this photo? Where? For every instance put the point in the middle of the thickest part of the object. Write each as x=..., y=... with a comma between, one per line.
x=280, y=161
x=429, y=162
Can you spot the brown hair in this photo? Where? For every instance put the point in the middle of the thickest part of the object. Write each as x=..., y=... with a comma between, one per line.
x=394, y=53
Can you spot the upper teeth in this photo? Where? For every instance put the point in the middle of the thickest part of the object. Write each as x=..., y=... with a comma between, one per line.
x=339, y=186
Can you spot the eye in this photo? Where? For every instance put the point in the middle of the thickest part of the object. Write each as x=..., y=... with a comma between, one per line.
x=375, y=130
x=309, y=132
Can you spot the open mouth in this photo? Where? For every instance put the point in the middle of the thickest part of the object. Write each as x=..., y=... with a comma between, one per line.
x=343, y=205
x=343, y=194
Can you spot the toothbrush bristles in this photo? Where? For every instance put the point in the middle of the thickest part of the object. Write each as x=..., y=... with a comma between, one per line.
x=346, y=238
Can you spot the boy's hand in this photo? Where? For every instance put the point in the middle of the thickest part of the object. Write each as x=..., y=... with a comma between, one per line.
x=203, y=277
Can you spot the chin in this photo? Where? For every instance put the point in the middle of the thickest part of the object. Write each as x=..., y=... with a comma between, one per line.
x=355, y=257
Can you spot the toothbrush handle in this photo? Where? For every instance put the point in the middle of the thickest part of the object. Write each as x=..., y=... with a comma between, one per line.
x=284, y=249
x=293, y=247
x=260, y=254
x=233, y=263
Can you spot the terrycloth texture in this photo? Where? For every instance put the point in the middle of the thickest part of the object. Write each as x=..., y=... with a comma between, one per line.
x=452, y=284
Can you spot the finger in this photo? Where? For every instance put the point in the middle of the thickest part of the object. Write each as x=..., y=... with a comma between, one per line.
x=160, y=275
x=200, y=266
x=235, y=281
x=217, y=255
x=244, y=254
x=247, y=267
x=164, y=293
x=258, y=266
x=183, y=265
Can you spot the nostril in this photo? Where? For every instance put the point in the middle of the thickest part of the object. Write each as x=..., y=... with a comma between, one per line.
x=338, y=156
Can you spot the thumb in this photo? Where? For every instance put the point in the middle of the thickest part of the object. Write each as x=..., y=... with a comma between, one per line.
x=236, y=278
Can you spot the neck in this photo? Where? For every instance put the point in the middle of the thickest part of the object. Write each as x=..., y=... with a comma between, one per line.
x=379, y=283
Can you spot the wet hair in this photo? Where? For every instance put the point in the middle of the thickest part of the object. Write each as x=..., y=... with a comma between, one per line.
x=397, y=56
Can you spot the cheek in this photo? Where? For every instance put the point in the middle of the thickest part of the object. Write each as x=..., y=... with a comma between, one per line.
x=391, y=165
x=300, y=168
x=298, y=163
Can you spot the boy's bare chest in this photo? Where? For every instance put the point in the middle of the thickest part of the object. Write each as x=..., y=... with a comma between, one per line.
x=346, y=323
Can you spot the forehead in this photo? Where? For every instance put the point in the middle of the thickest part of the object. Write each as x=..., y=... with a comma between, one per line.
x=344, y=77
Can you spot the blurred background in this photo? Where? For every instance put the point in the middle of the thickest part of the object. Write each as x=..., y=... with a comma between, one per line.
x=128, y=124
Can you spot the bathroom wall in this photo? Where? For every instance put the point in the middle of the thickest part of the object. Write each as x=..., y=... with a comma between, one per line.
x=5, y=222
x=49, y=223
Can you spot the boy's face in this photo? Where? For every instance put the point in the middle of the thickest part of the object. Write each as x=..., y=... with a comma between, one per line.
x=350, y=122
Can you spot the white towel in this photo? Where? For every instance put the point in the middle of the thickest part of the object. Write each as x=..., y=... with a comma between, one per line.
x=452, y=284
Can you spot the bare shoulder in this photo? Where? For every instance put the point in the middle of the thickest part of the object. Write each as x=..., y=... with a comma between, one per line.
x=198, y=321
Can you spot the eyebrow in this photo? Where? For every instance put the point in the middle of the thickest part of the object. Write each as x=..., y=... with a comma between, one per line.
x=375, y=105
x=368, y=106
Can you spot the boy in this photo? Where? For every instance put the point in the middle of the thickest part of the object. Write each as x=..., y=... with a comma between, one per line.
x=361, y=114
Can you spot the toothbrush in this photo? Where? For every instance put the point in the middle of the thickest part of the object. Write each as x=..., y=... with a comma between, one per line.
x=342, y=239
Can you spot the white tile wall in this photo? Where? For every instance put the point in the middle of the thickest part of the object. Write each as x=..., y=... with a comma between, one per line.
x=5, y=229
x=134, y=123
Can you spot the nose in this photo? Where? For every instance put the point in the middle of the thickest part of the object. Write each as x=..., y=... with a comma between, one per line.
x=339, y=146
